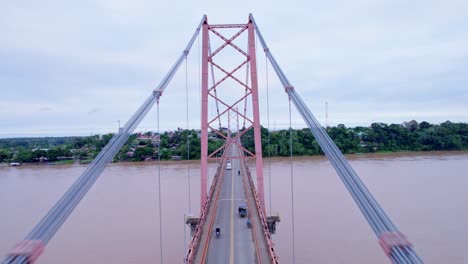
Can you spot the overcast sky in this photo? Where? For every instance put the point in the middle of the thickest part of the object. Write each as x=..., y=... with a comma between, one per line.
x=76, y=67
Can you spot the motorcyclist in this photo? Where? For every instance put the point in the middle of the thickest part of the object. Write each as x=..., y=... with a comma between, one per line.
x=238, y=172
x=248, y=223
x=218, y=231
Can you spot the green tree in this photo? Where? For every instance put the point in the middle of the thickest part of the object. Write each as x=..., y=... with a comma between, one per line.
x=24, y=156
x=58, y=152
x=424, y=125
x=5, y=155
x=142, y=153
x=37, y=154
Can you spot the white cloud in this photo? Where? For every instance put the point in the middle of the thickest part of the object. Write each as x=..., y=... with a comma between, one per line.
x=386, y=61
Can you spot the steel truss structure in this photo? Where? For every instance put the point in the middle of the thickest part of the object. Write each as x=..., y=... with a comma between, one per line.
x=212, y=91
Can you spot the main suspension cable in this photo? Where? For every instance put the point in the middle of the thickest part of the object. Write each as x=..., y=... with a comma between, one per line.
x=395, y=244
x=47, y=227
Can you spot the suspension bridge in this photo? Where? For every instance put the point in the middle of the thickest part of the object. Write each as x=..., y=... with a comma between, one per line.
x=233, y=186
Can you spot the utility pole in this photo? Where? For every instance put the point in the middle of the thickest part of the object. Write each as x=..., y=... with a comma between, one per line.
x=326, y=113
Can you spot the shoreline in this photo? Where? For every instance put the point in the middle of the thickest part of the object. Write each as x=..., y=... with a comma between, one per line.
x=352, y=156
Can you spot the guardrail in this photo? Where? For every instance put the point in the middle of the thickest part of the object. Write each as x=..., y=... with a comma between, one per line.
x=266, y=233
x=247, y=192
x=193, y=247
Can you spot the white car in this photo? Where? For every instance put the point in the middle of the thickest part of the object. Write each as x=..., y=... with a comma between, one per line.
x=229, y=166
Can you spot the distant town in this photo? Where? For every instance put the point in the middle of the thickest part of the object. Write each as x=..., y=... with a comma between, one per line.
x=184, y=144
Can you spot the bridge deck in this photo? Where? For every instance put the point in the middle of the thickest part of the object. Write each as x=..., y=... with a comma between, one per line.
x=237, y=244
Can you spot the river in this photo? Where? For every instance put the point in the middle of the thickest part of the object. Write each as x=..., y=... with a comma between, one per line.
x=425, y=194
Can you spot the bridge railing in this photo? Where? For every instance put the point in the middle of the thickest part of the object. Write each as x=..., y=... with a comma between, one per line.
x=193, y=247
x=266, y=232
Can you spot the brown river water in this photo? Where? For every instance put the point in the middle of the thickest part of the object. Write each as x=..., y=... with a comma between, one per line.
x=425, y=194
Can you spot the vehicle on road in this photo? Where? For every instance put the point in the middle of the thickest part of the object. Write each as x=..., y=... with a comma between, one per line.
x=242, y=210
x=218, y=232
x=229, y=166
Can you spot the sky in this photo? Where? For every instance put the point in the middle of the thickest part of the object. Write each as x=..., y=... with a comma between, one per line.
x=77, y=67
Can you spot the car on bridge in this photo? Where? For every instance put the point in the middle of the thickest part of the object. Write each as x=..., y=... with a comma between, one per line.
x=242, y=210
x=229, y=166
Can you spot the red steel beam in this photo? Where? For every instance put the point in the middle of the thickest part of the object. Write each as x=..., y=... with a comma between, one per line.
x=204, y=117
x=256, y=115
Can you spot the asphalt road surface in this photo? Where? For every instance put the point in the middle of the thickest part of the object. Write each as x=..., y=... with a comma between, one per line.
x=235, y=244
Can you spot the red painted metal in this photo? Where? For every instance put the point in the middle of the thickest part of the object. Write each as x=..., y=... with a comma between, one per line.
x=234, y=140
x=229, y=107
x=213, y=80
x=249, y=205
x=232, y=157
x=32, y=249
x=206, y=206
x=228, y=26
x=389, y=240
x=214, y=92
x=229, y=41
x=262, y=215
x=251, y=93
x=215, y=205
x=256, y=115
x=204, y=117
x=228, y=143
x=211, y=92
x=230, y=74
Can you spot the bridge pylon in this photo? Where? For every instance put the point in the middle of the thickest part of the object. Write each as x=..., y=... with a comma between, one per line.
x=229, y=92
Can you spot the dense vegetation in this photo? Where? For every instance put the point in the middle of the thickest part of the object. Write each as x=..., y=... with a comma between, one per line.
x=138, y=147
x=378, y=137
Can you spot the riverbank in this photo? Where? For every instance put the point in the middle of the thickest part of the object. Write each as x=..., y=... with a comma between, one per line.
x=353, y=156
x=378, y=137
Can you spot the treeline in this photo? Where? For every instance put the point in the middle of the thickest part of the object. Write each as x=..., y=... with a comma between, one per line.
x=45, y=142
x=411, y=136
x=138, y=147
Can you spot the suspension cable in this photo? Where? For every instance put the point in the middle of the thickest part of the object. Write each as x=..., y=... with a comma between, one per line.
x=159, y=189
x=246, y=92
x=292, y=182
x=268, y=125
x=199, y=72
x=395, y=244
x=213, y=79
x=47, y=227
x=188, y=133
